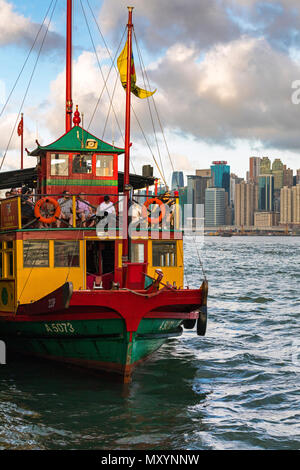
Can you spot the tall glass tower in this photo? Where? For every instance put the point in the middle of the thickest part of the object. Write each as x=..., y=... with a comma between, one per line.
x=266, y=193
x=220, y=173
x=177, y=180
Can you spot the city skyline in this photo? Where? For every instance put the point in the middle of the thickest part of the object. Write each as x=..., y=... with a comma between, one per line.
x=226, y=111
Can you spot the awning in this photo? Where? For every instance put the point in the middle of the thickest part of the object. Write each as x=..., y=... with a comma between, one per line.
x=28, y=176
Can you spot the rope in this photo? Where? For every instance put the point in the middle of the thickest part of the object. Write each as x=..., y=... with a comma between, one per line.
x=95, y=50
x=26, y=60
x=29, y=83
x=148, y=102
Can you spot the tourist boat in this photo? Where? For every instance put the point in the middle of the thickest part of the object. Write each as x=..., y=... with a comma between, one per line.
x=99, y=299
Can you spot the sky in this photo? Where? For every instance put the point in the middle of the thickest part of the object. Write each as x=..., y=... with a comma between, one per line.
x=225, y=72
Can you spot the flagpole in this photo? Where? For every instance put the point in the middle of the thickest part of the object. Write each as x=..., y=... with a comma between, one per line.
x=127, y=188
x=69, y=102
x=22, y=141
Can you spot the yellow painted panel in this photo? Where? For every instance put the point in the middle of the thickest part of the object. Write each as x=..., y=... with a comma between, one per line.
x=35, y=283
x=171, y=274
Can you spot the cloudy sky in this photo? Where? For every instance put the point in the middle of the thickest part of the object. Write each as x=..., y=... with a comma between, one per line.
x=224, y=71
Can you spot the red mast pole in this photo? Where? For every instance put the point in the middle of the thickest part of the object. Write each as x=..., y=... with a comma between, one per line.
x=127, y=188
x=69, y=103
x=22, y=141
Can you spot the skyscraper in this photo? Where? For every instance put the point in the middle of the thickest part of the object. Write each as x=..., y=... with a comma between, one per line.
x=290, y=205
x=254, y=169
x=196, y=186
x=265, y=166
x=214, y=207
x=220, y=173
x=277, y=172
x=177, y=180
x=266, y=193
x=244, y=203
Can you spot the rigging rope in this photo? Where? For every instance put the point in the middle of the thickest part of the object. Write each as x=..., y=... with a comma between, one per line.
x=26, y=60
x=148, y=102
x=154, y=104
x=29, y=83
x=113, y=65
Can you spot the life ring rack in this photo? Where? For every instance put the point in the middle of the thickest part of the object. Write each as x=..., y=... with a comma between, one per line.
x=39, y=205
x=149, y=202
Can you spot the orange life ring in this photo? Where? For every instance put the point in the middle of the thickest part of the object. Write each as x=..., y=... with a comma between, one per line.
x=39, y=205
x=155, y=220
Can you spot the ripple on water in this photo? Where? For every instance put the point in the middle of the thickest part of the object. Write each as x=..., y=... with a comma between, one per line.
x=236, y=388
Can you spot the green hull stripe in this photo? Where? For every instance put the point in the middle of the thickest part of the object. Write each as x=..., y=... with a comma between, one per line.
x=81, y=182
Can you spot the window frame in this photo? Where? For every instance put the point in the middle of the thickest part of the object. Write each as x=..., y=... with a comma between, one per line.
x=35, y=265
x=56, y=243
x=161, y=243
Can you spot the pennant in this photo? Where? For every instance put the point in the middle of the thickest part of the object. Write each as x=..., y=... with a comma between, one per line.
x=122, y=66
x=20, y=127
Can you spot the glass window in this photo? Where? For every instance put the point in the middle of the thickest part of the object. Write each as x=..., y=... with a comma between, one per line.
x=9, y=245
x=35, y=253
x=82, y=164
x=104, y=165
x=10, y=263
x=137, y=253
x=66, y=254
x=164, y=253
x=59, y=164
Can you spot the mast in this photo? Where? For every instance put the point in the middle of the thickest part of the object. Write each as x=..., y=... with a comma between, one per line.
x=127, y=188
x=69, y=103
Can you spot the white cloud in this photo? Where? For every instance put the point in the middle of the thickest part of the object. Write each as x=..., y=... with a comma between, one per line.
x=17, y=29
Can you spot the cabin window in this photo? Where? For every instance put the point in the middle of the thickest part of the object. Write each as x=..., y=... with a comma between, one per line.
x=59, y=164
x=82, y=164
x=66, y=254
x=35, y=254
x=137, y=252
x=104, y=165
x=164, y=253
x=10, y=263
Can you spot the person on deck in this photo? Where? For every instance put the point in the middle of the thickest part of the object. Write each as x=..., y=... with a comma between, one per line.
x=27, y=207
x=83, y=209
x=66, y=205
x=106, y=208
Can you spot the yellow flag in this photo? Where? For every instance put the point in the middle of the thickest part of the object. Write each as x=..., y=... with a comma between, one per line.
x=122, y=66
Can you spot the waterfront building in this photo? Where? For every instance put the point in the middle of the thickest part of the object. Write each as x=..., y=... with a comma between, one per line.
x=266, y=219
x=298, y=177
x=296, y=203
x=177, y=180
x=290, y=205
x=285, y=205
x=266, y=193
x=254, y=169
x=220, y=173
x=214, y=207
x=245, y=203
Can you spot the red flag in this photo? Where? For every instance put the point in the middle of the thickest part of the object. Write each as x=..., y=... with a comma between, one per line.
x=20, y=127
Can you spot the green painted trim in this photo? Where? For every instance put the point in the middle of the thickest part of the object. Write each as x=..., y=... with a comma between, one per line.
x=71, y=142
x=81, y=182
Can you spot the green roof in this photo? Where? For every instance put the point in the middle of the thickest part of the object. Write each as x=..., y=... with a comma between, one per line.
x=78, y=140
